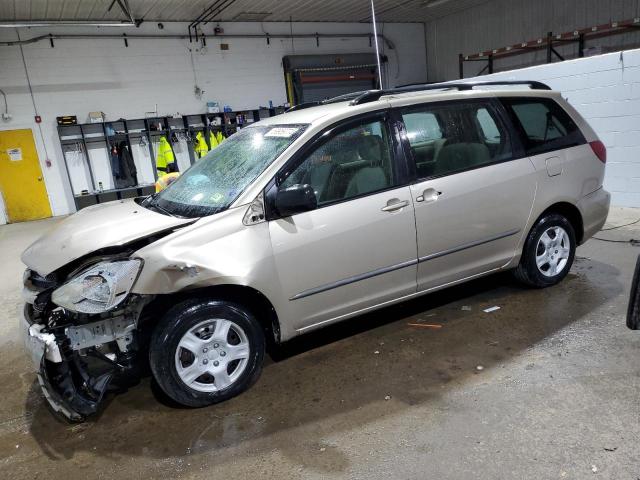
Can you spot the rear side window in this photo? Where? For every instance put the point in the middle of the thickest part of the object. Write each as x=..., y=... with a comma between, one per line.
x=545, y=125
x=451, y=137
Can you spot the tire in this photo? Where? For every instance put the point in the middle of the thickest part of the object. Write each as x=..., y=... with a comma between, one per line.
x=190, y=339
x=557, y=250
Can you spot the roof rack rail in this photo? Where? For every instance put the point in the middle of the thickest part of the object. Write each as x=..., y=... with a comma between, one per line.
x=302, y=106
x=373, y=95
x=340, y=98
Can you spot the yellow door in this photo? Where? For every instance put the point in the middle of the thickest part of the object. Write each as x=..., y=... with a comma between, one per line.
x=21, y=183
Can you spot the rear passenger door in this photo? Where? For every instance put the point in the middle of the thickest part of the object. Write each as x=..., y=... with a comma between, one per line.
x=473, y=199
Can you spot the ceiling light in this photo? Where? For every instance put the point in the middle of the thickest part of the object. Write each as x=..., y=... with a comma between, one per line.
x=251, y=16
x=434, y=3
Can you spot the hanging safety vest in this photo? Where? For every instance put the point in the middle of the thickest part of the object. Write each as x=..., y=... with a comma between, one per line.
x=200, y=147
x=164, y=156
x=219, y=137
x=213, y=141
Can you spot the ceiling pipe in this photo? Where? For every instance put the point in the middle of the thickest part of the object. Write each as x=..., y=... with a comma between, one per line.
x=264, y=36
x=209, y=13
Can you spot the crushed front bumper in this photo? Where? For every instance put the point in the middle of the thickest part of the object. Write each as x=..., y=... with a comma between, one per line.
x=65, y=384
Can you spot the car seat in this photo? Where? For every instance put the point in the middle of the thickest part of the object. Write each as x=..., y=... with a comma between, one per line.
x=371, y=177
x=461, y=156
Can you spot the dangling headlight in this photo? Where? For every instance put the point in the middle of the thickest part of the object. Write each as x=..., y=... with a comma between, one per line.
x=98, y=289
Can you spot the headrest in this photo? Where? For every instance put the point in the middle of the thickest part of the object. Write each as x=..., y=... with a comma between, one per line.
x=370, y=149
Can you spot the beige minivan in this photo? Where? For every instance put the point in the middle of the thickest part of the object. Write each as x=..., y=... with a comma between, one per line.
x=303, y=220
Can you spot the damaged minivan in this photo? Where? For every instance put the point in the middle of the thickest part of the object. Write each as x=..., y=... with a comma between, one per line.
x=303, y=220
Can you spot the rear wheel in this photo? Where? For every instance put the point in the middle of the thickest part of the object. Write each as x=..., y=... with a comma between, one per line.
x=548, y=252
x=205, y=352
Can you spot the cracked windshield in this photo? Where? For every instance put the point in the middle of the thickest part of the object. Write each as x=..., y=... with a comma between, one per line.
x=217, y=179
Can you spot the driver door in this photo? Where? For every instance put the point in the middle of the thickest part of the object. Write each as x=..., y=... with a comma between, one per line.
x=357, y=249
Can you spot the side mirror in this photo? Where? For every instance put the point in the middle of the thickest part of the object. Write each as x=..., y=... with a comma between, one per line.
x=296, y=199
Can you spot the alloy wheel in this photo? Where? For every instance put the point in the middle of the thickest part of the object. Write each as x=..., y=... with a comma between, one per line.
x=552, y=251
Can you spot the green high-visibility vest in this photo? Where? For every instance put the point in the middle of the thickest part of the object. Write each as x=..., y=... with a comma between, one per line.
x=164, y=156
x=201, y=148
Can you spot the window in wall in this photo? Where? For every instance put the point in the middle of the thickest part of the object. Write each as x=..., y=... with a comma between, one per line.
x=545, y=124
x=453, y=137
x=354, y=162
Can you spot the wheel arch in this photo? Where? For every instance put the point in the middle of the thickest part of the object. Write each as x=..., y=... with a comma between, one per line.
x=255, y=301
x=571, y=213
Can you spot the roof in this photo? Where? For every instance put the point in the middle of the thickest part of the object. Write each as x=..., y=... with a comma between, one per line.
x=375, y=100
x=235, y=10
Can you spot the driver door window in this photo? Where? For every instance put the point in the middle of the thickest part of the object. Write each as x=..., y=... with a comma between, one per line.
x=351, y=163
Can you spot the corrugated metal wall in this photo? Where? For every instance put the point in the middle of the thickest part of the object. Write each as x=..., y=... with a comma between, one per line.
x=498, y=23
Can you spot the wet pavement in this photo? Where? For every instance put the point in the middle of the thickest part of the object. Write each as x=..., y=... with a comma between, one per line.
x=548, y=386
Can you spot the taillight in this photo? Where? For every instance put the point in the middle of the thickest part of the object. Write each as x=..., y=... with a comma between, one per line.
x=600, y=150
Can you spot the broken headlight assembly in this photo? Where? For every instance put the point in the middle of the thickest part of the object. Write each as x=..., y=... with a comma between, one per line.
x=100, y=288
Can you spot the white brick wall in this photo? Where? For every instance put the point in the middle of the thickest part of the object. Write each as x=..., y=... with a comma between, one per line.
x=82, y=75
x=606, y=91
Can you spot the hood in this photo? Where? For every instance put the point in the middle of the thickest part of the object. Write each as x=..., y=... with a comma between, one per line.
x=106, y=225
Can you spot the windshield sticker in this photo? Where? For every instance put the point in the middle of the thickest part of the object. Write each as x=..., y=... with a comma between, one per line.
x=282, y=132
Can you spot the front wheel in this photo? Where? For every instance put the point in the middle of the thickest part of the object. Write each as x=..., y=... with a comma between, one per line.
x=548, y=252
x=205, y=352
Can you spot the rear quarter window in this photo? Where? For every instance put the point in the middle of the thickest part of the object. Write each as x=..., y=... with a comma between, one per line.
x=544, y=125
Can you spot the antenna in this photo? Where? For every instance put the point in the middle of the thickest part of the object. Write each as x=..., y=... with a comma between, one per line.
x=375, y=35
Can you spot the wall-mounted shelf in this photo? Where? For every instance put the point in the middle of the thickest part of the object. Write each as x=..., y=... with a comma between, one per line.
x=549, y=42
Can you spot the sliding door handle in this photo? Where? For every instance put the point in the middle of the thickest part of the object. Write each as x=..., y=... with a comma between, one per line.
x=394, y=204
x=429, y=195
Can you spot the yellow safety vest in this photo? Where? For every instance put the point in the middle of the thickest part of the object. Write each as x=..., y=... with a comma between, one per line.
x=163, y=157
x=219, y=137
x=213, y=141
x=201, y=148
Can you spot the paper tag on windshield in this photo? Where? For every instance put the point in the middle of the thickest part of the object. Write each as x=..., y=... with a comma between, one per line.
x=282, y=132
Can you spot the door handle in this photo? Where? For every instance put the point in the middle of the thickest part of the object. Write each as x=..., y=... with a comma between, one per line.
x=429, y=195
x=394, y=204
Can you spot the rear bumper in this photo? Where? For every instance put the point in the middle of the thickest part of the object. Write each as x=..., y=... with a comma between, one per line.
x=594, y=209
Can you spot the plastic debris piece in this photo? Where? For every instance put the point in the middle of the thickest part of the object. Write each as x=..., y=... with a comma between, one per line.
x=479, y=368
x=491, y=309
x=424, y=325
x=377, y=352
x=466, y=308
x=388, y=397
x=594, y=469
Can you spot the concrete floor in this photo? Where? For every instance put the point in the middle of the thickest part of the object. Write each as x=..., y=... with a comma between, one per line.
x=558, y=395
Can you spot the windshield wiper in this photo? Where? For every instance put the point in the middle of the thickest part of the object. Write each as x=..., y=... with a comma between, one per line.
x=150, y=204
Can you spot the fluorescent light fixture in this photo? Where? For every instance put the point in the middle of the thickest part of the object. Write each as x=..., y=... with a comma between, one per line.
x=66, y=23
x=251, y=16
x=435, y=3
